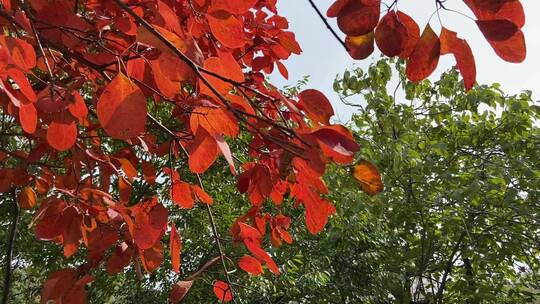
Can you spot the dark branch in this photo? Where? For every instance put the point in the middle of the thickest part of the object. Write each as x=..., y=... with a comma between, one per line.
x=328, y=26
x=10, y=247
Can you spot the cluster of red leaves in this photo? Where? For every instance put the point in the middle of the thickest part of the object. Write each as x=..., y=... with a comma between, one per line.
x=397, y=34
x=78, y=80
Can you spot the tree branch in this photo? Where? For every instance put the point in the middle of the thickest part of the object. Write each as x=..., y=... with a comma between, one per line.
x=328, y=26
x=10, y=247
x=449, y=266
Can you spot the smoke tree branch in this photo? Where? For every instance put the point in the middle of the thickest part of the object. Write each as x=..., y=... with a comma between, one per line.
x=8, y=272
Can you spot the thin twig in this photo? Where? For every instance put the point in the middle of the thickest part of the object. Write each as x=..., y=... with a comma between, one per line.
x=328, y=26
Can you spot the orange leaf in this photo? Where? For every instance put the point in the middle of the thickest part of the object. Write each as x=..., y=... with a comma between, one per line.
x=250, y=265
x=222, y=291
x=227, y=29
x=201, y=195
x=181, y=194
x=368, y=177
x=425, y=57
x=214, y=120
x=175, y=246
x=226, y=66
x=360, y=47
x=121, y=109
x=450, y=43
x=152, y=258
x=203, y=151
x=27, y=198
x=316, y=106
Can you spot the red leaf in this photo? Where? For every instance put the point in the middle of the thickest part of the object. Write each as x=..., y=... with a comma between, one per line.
x=288, y=41
x=233, y=7
x=337, y=143
x=226, y=66
x=201, y=195
x=336, y=7
x=450, y=43
x=78, y=107
x=360, y=47
x=150, y=223
x=250, y=265
x=22, y=82
x=28, y=117
x=203, y=151
x=257, y=182
x=316, y=106
x=502, y=9
x=121, y=109
x=222, y=291
x=179, y=291
x=62, y=134
x=214, y=120
x=368, y=177
x=22, y=53
x=175, y=246
x=282, y=70
x=511, y=50
x=255, y=249
x=357, y=18
x=317, y=209
x=49, y=226
x=396, y=34
x=120, y=258
x=497, y=30
x=152, y=258
x=181, y=194
x=425, y=57
x=227, y=29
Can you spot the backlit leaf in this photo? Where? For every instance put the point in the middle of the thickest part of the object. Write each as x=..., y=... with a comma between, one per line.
x=461, y=50
x=250, y=265
x=62, y=134
x=425, y=57
x=316, y=106
x=27, y=198
x=121, y=109
x=175, y=247
x=360, y=47
x=222, y=291
x=369, y=178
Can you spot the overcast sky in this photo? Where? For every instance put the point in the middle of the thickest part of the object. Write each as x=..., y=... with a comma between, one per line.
x=323, y=57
